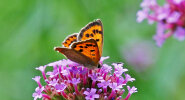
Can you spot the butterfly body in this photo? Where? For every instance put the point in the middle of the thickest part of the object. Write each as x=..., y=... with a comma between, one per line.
x=86, y=47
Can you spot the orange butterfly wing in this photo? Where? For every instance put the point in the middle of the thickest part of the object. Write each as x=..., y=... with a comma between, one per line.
x=76, y=57
x=69, y=40
x=88, y=48
x=93, y=30
x=83, y=52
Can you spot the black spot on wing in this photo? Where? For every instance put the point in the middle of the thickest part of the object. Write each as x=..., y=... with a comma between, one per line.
x=97, y=40
x=97, y=31
x=92, y=34
x=92, y=50
x=87, y=35
x=81, y=50
x=88, y=44
x=94, y=31
x=100, y=32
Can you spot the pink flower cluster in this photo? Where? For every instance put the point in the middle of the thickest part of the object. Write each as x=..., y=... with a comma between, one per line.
x=170, y=18
x=71, y=81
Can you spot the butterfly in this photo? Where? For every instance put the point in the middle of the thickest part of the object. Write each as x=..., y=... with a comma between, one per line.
x=84, y=47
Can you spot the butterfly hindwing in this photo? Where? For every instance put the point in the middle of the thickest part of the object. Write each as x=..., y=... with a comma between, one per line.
x=76, y=56
x=93, y=30
x=89, y=48
x=69, y=40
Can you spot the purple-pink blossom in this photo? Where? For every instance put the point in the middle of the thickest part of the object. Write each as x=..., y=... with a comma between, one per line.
x=103, y=84
x=53, y=82
x=38, y=93
x=75, y=81
x=91, y=95
x=115, y=86
x=69, y=80
x=60, y=87
x=170, y=18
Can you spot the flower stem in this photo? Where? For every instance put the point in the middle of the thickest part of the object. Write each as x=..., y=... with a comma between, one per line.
x=105, y=90
x=93, y=84
x=111, y=95
x=64, y=94
x=46, y=96
x=76, y=90
x=128, y=96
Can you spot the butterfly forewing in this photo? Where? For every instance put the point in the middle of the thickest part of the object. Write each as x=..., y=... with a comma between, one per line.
x=93, y=30
x=89, y=48
x=69, y=40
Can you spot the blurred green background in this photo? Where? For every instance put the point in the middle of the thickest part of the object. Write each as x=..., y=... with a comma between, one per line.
x=30, y=29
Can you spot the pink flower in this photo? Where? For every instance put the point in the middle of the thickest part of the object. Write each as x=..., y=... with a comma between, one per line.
x=91, y=95
x=38, y=93
x=60, y=87
x=170, y=18
x=69, y=80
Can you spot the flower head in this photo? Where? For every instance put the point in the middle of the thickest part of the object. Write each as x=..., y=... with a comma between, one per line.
x=70, y=80
x=170, y=18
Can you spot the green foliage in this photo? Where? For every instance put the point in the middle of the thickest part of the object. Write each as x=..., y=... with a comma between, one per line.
x=30, y=29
